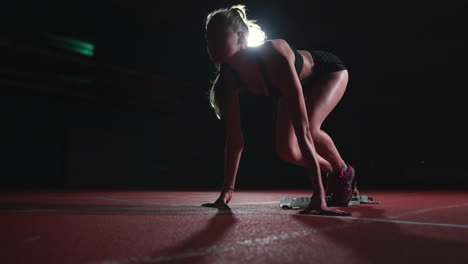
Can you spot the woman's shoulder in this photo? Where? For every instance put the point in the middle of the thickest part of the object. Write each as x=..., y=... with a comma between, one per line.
x=278, y=47
x=275, y=43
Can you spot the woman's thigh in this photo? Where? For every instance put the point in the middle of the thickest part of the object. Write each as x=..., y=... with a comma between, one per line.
x=321, y=97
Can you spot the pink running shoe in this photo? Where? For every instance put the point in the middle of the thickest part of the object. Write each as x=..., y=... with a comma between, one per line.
x=341, y=187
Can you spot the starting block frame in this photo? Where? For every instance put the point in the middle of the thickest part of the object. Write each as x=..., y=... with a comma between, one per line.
x=302, y=202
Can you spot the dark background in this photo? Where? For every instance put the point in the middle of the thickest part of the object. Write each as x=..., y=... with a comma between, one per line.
x=136, y=114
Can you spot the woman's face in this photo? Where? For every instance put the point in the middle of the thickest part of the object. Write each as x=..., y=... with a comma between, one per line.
x=222, y=42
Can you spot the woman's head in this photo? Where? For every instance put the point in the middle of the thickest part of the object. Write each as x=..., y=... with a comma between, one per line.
x=227, y=32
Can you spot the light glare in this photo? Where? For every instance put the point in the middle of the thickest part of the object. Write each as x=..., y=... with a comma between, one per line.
x=256, y=37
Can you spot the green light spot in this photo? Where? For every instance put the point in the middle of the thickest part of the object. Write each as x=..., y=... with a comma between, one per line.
x=70, y=44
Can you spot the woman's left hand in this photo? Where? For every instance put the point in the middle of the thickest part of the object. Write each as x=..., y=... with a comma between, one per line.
x=221, y=202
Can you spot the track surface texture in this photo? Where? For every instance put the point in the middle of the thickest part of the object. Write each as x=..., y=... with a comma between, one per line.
x=117, y=227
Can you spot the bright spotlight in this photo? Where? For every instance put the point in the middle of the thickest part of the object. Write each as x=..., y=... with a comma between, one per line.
x=256, y=37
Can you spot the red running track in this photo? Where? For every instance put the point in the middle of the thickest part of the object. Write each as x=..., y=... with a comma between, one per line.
x=116, y=227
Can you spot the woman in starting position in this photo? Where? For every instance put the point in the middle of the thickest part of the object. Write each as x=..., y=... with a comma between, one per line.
x=305, y=86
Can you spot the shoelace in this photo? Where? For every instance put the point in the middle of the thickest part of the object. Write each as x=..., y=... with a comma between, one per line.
x=346, y=180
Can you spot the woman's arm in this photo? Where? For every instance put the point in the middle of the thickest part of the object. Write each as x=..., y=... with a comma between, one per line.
x=283, y=75
x=234, y=141
x=234, y=137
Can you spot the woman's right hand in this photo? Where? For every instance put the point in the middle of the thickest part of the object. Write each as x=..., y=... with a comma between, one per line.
x=319, y=204
x=222, y=202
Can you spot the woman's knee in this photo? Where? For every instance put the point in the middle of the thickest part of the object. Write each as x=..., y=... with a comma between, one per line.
x=320, y=138
x=316, y=133
x=290, y=156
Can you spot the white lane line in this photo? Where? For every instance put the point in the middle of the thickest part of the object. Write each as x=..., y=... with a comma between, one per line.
x=129, y=201
x=174, y=205
x=271, y=202
x=149, y=203
x=31, y=239
x=357, y=218
x=34, y=210
x=424, y=210
x=323, y=216
x=380, y=220
x=76, y=209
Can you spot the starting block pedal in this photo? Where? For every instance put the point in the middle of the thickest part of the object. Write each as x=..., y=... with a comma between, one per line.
x=303, y=202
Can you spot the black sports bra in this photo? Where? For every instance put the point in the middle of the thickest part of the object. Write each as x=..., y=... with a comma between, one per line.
x=273, y=90
x=298, y=62
x=258, y=114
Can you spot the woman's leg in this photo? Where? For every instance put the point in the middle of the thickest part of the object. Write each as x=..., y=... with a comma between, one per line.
x=287, y=147
x=321, y=98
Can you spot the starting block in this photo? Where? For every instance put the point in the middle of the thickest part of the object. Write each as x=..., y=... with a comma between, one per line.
x=303, y=202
